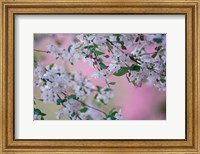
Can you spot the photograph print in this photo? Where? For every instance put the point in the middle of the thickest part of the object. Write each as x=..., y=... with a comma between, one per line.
x=99, y=76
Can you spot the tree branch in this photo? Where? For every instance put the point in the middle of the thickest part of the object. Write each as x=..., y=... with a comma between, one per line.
x=41, y=51
x=93, y=108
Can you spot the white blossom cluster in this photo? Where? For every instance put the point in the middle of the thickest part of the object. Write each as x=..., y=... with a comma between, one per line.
x=52, y=82
x=108, y=54
x=129, y=55
x=70, y=91
x=71, y=109
x=75, y=110
x=82, y=86
x=105, y=95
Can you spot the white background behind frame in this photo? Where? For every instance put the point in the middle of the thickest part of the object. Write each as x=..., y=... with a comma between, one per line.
x=172, y=128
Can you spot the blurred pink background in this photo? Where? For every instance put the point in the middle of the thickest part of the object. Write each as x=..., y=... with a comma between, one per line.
x=142, y=103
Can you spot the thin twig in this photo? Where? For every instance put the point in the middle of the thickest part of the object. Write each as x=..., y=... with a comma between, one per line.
x=132, y=58
x=90, y=106
x=93, y=108
x=79, y=117
x=147, y=53
x=41, y=51
x=114, y=45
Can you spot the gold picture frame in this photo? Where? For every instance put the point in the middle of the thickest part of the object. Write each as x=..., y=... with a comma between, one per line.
x=10, y=8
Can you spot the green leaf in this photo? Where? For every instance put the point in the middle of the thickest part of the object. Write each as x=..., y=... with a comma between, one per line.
x=90, y=47
x=35, y=63
x=42, y=114
x=133, y=82
x=103, y=66
x=111, y=117
x=71, y=97
x=59, y=101
x=112, y=83
x=135, y=67
x=107, y=89
x=69, y=48
x=98, y=52
x=162, y=80
x=123, y=47
x=83, y=110
x=122, y=71
x=116, y=34
x=122, y=43
x=157, y=40
x=44, y=81
x=158, y=47
x=154, y=55
x=113, y=113
x=141, y=37
x=51, y=66
x=117, y=37
x=95, y=45
x=95, y=96
x=38, y=112
x=99, y=88
x=79, y=46
x=42, y=118
x=101, y=100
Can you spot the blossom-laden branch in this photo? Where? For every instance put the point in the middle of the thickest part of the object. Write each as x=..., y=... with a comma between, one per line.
x=70, y=91
x=100, y=49
x=109, y=54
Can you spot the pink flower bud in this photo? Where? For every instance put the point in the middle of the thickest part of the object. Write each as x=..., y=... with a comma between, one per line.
x=91, y=56
x=106, y=56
